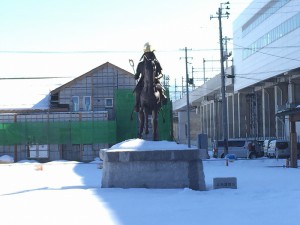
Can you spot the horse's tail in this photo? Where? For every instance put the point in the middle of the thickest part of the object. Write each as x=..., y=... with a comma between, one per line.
x=131, y=116
x=163, y=114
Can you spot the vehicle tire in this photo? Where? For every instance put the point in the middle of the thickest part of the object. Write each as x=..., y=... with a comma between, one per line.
x=252, y=156
x=276, y=154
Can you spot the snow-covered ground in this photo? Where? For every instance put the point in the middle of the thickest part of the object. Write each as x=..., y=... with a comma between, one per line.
x=64, y=192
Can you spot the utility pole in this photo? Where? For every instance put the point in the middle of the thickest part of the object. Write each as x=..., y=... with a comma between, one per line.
x=204, y=68
x=187, y=98
x=227, y=55
x=194, y=79
x=175, y=90
x=220, y=15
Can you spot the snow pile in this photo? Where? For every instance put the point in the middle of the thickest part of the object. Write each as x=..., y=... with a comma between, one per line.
x=144, y=145
x=6, y=159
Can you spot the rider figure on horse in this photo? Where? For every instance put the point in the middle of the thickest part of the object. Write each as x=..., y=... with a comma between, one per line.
x=148, y=55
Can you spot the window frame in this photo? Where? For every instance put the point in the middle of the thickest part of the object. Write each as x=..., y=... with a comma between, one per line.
x=84, y=103
x=109, y=105
x=73, y=105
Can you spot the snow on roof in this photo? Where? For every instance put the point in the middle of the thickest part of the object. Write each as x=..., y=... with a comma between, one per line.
x=43, y=104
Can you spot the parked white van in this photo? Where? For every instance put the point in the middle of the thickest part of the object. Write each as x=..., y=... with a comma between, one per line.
x=241, y=148
x=278, y=149
x=281, y=149
x=266, y=146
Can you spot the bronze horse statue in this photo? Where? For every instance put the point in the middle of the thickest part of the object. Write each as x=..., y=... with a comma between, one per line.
x=150, y=99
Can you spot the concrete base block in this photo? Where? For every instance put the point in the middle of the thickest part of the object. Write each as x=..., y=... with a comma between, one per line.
x=153, y=169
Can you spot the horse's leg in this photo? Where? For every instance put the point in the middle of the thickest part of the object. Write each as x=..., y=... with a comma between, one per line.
x=141, y=119
x=146, y=125
x=154, y=124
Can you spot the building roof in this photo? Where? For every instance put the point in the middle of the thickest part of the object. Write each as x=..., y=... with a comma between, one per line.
x=43, y=103
x=105, y=65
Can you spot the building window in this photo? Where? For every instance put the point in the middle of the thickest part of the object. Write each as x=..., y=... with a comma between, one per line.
x=75, y=103
x=268, y=10
x=109, y=102
x=38, y=151
x=273, y=35
x=87, y=103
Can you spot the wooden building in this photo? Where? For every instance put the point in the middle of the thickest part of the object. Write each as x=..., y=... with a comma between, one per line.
x=92, y=91
x=80, y=119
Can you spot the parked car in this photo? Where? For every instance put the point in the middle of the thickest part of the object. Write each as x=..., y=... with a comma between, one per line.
x=278, y=148
x=281, y=149
x=259, y=148
x=241, y=148
x=266, y=146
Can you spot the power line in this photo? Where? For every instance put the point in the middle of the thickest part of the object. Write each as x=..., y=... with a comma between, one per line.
x=96, y=51
x=265, y=53
x=263, y=72
x=30, y=78
x=64, y=52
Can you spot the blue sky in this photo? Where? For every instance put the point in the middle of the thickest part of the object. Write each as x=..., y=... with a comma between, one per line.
x=67, y=38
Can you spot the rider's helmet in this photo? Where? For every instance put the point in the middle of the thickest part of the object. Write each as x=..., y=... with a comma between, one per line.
x=148, y=48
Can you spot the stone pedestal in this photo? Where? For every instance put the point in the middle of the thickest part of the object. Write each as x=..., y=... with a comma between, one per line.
x=153, y=168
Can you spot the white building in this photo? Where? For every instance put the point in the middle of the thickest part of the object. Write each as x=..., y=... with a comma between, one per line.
x=266, y=41
x=267, y=78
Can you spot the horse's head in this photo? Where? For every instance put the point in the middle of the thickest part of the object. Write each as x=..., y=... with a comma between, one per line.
x=149, y=70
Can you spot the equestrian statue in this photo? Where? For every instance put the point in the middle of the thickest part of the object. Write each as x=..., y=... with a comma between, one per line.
x=149, y=92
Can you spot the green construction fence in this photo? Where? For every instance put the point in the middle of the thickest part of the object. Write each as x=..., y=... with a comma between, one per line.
x=128, y=128
x=75, y=132
x=86, y=132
